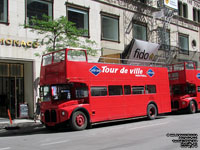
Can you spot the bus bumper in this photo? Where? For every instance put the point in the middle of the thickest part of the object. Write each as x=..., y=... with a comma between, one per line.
x=53, y=117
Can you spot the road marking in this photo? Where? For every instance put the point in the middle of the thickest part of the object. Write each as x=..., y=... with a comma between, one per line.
x=5, y=148
x=148, y=126
x=52, y=143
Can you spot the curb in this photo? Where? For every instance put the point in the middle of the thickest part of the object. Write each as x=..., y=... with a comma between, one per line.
x=19, y=124
x=3, y=125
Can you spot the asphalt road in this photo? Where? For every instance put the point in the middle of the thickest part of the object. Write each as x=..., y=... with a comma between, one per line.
x=168, y=132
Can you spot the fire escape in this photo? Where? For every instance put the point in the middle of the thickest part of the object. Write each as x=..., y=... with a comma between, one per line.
x=157, y=27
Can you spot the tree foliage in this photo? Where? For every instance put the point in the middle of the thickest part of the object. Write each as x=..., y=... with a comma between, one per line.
x=60, y=33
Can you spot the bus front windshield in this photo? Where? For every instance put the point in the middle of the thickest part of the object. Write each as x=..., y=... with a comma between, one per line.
x=45, y=94
x=61, y=92
x=65, y=92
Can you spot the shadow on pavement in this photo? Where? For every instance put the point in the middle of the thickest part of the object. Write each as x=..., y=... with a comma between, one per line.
x=180, y=113
x=40, y=129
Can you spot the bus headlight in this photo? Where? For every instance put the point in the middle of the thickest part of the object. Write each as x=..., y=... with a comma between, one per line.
x=63, y=113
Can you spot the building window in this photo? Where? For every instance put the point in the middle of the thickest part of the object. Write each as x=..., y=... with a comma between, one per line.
x=140, y=31
x=11, y=70
x=4, y=11
x=196, y=15
x=184, y=43
x=110, y=27
x=38, y=8
x=142, y=1
x=185, y=10
x=182, y=9
x=199, y=15
x=164, y=37
x=79, y=16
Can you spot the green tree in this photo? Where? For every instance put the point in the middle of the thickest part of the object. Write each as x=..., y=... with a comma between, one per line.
x=59, y=33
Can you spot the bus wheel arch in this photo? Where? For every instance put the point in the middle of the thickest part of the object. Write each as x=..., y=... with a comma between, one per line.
x=152, y=110
x=80, y=119
x=192, y=107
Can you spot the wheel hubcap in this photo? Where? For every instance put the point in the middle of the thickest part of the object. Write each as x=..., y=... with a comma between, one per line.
x=193, y=107
x=80, y=120
x=152, y=112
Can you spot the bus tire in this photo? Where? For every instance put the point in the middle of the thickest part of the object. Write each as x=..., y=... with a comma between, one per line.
x=192, y=107
x=152, y=112
x=78, y=121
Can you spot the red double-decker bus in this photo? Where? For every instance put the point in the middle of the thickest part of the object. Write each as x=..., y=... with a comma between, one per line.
x=184, y=79
x=79, y=93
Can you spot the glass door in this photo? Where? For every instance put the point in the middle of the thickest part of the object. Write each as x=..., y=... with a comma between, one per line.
x=11, y=89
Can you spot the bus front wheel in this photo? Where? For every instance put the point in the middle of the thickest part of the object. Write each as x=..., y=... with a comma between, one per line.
x=151, y=111
x=192, y=107
x=78, y=121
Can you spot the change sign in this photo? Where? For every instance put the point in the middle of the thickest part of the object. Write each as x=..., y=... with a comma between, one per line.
x=171, y=3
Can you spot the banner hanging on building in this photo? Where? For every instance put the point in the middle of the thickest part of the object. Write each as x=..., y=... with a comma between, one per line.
x=142, y=50
x=171, y=3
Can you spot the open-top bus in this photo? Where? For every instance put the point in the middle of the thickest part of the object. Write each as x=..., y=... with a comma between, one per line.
x=79, y=93
x=184, y=79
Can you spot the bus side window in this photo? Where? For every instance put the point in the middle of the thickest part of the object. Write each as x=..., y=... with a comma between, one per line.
x=150, y=89
x=76, y=55
x=115, y=90
x=198, y=88
x=138, y=89
x=47, y=60
x=81, y=92
x=59, y=56
x=99, y=91
x=127, y=89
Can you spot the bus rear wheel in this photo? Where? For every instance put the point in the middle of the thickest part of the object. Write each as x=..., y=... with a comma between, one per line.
x=78, y=121
x=192, y=107
x=151, y=111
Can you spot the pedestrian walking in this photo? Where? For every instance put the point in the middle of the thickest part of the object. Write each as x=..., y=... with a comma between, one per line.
x=37, y=112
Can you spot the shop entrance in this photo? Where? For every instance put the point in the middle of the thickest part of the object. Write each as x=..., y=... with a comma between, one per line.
x=11, y=88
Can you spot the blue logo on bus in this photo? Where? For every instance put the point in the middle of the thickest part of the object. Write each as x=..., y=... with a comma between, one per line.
x=95, y=70
x=150, y=73
x=198, y=75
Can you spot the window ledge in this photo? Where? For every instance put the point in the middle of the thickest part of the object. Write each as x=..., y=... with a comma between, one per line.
x=6, y=23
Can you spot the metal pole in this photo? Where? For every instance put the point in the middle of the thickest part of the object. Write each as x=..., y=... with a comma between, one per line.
x=164, y=30
x=15, y=97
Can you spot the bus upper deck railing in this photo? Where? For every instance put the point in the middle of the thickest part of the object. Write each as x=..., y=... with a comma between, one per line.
x=182, y=66
x=59, y=56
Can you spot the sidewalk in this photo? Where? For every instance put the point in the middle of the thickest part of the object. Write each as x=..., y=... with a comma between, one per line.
x=4, y=122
